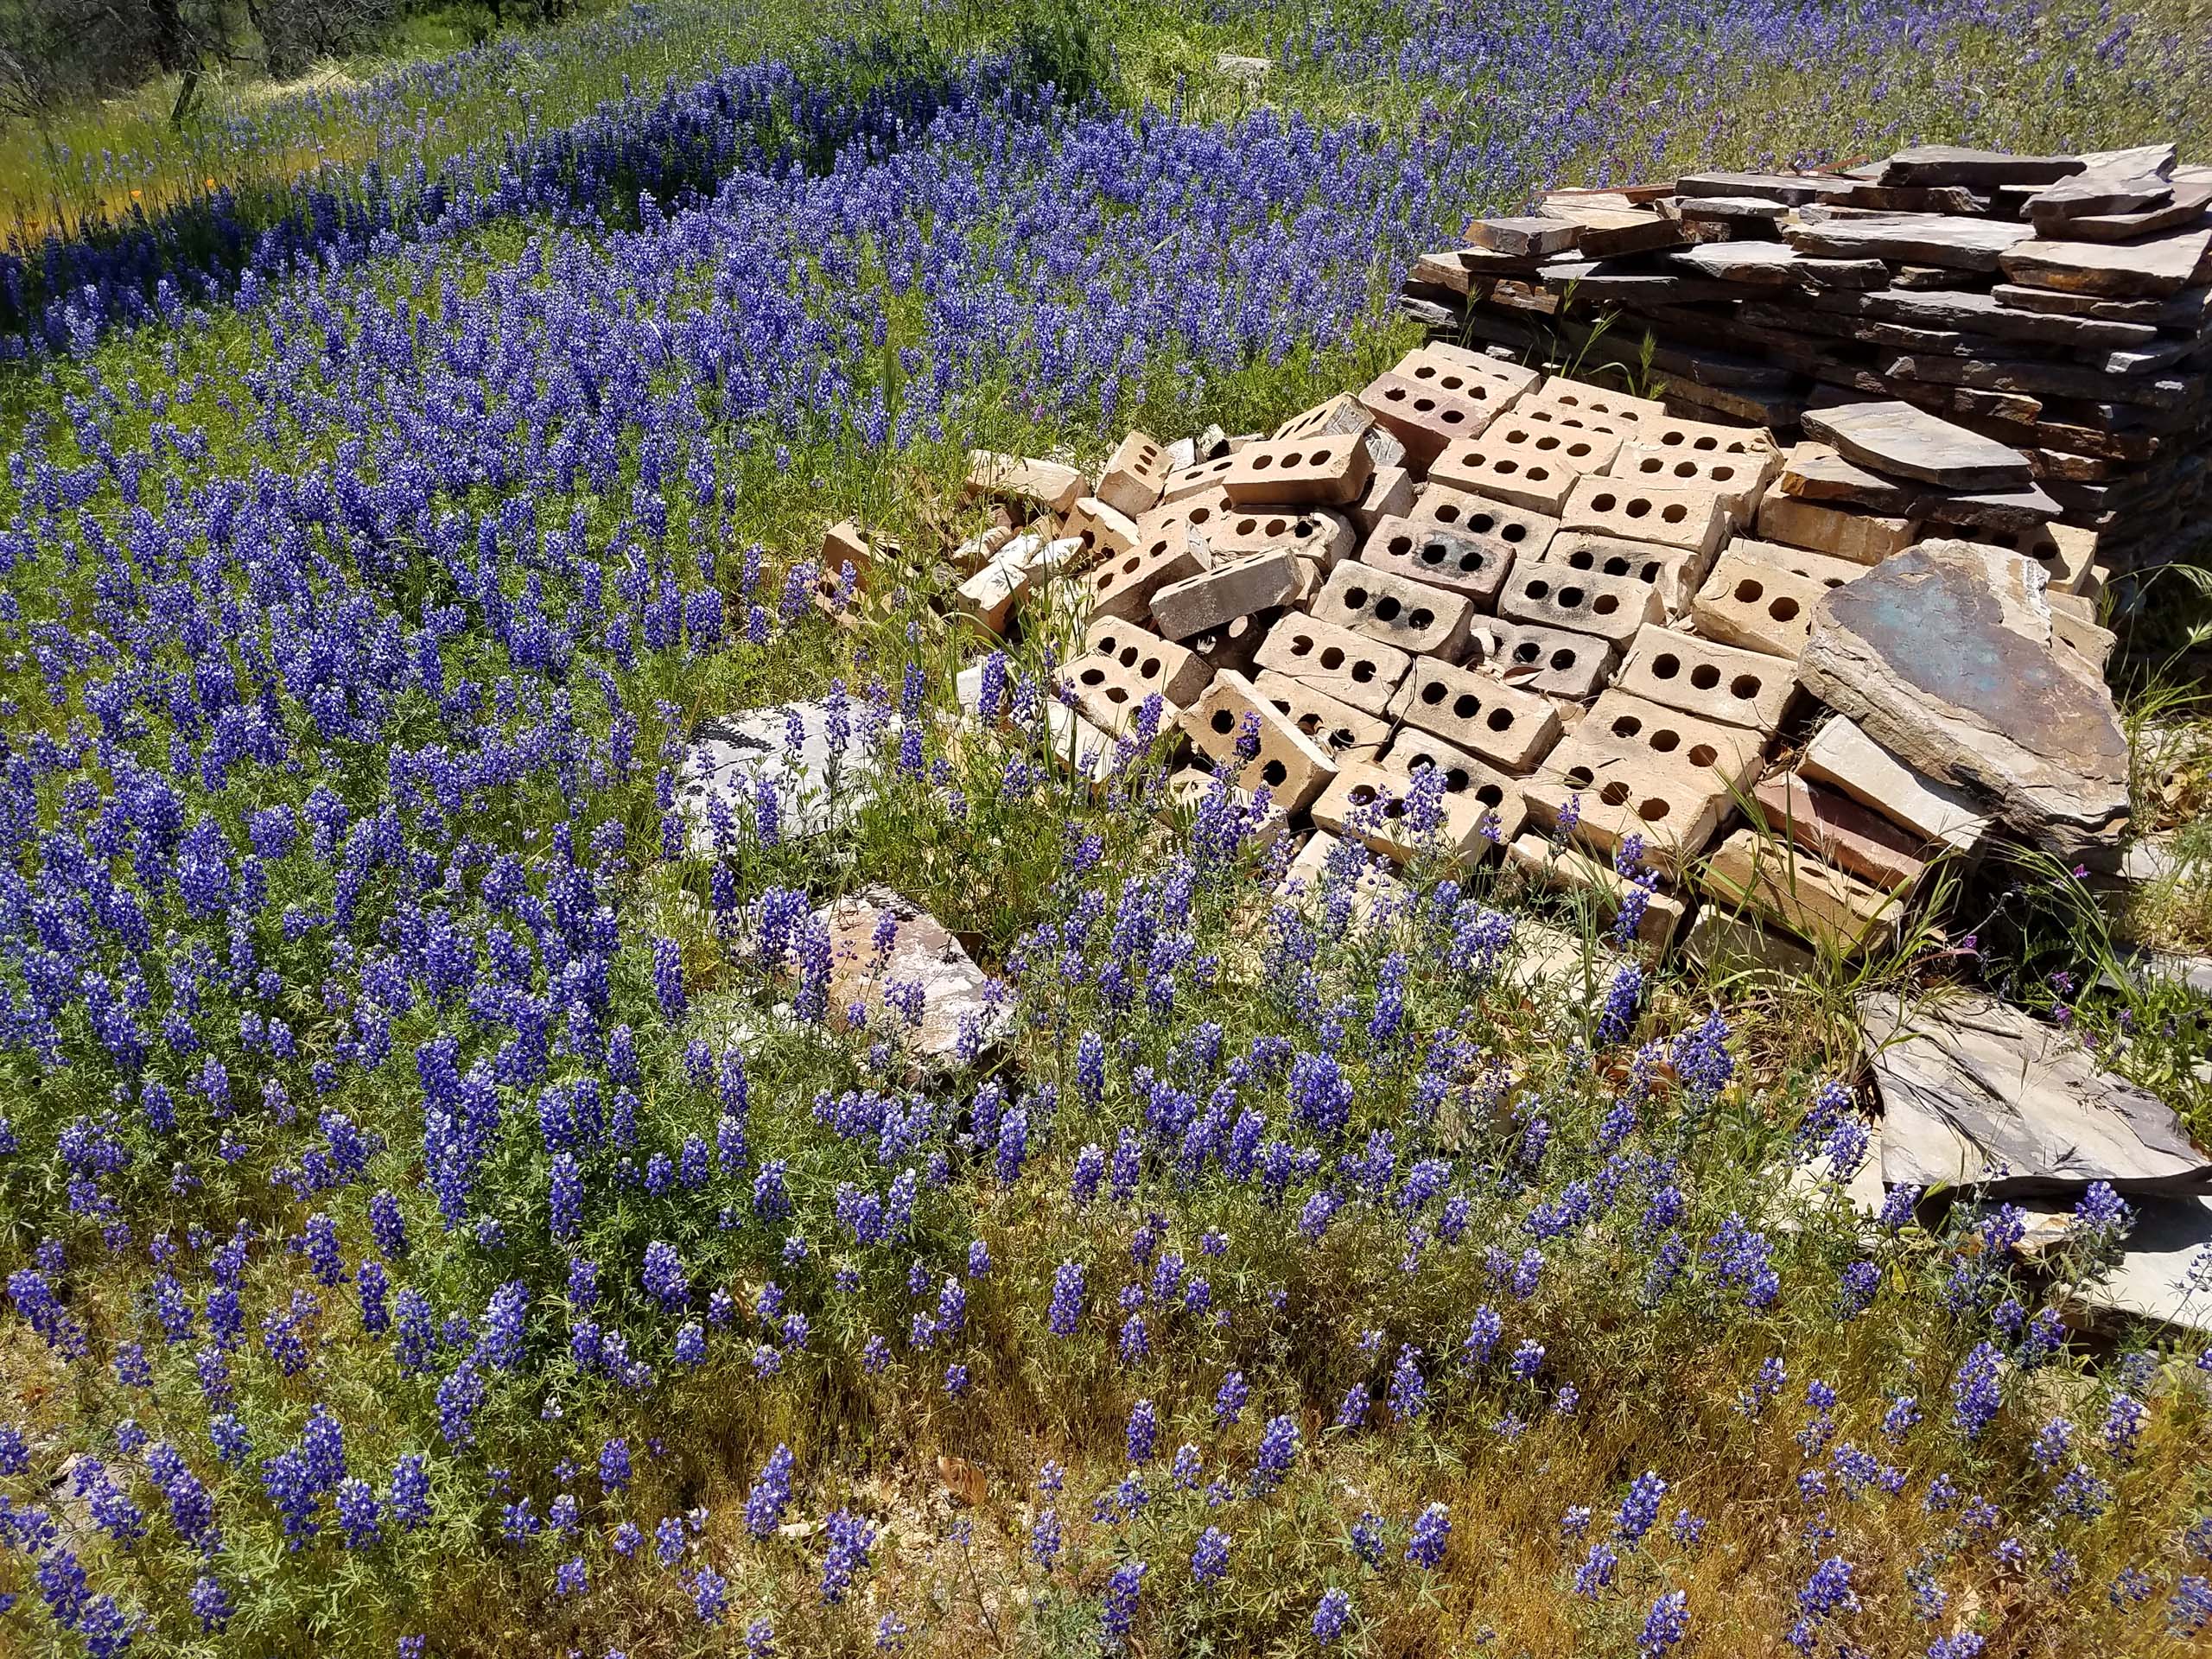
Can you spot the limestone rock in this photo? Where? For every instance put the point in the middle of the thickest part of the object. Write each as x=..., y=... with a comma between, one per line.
x=1975, y=1092
x=925, y=971
x=1944, y=655
x=786, y=749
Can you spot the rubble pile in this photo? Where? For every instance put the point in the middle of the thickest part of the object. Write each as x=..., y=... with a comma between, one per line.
x=2059, y=307
x=1558, y=598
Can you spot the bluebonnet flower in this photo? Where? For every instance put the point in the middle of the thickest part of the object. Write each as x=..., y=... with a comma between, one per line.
x=1211, y=1558
x=1424, y=1545
x=1331, y=1615
x=1665, y=1626
x=1067, y=1301
x=1119, y=1611
x=850, y=1539
x=770, y=1494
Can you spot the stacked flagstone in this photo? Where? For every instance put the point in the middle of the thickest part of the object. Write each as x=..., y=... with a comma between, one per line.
x=2058, y=305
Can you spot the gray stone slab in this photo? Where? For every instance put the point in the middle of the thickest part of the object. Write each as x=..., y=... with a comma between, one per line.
x=2186, y=312
x=2153, y=267
x=787, y=748
x=1945, y=655
x=2153, y=1277
x=1919, y=238
x=1970, y=312
x=1974, y=1092
x=2099, y=193
x=2186, y=207
x=1896, y=438
x=1982, y=168
x=1791, y=188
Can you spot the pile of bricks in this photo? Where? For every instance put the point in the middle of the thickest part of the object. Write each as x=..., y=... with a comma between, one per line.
x=1550, y=593
x=2056, y=304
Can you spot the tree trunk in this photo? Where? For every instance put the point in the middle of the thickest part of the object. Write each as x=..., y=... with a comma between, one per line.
x=182, y=107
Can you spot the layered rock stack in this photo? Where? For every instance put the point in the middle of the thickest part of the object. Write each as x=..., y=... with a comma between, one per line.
x=2059, y=305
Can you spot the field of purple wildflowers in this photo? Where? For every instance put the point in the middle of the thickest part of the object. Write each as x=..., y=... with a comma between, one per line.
x=443, y=1213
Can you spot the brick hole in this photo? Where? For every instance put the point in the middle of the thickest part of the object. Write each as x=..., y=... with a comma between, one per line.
x=1702, y=754
x=1563, y=660
x=1317, y=457
x=1117, y=695
x=1432, y=553
x=1456, y=780
x=1091, y=677
x=1433, y=692
x=1490, y=795
x=1705, y=676
x=1394, y=394
x=1653, y=809
x=1343, y=737
x=1401, y=545
x=1387, y=609
x=1650, y=464
x=1666, y=741
x=1333, y=659
x=1453, y=417
x=1722, y=474
x=1744, y=686
x=1784, y=609
x=1447, y=514
x=1570, y=597
x=1685, y=469
x=1500, y=720
x=1200, y=516
x=1527, y=652
x=1707, y=442
x=1151, y=669
x=1363, y=671
x=1466, y=706
x=1675, y=512
x=1127, y=656
x=1748, y=591
x=1603, y=502
x=1505, y=467
x=1627, y=726
x=1277, y=526
x=1616, y=566
x=1537, y=589
x=1425, y=406
x=1471, y=561
x=1246, y=526
x=1577, y=450
x=1549, y=441
x=1666, y=665
x=1300, y=643
x=1273, y=774
x=1394, y=808
x=1261, y=462
x=1482, y=523
x=1537, y=475
x=1415, y=620
x=1581, y=778
x=1223, y=723
x=1614, y=794
x=1607, y=604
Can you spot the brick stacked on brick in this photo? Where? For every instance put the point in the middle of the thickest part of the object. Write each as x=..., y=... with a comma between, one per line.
x=2058, y=306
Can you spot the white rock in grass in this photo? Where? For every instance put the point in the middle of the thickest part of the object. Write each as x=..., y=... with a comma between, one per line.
x=817, y=786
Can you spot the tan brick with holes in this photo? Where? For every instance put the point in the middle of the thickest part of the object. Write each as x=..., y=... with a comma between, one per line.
x=1291, y=769
x=1134, y=475
x=1203, y=512
x=1323, y=471
x=1185, y=481
x=1123, y=585
x=1554, y=661
x=1412, y=615
x=1102, y=531
x=1373, y=807
x=1339, y=730
x=1343, y=414
x=1048, y=483
x=1738, y=481
x=1318, y=535
x=1524, y=464
x=1705, y=437
x=1673, y=573
x=1390, y=493
x=1423, y=550
x=1554, y=596
x=1189, y=789
x=1641, y=768
x=1157, y=664
x=1509, y=728
x=1468, y=373
x=1569, y=869
x=1581, y=398
x=1759, y=606
x=1425, y=417
x=1708, y=679
x=1695, y=519
x=1349, y=666
x=1497, y=792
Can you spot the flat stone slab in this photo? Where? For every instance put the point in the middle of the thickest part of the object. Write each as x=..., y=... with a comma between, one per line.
x=1952, y=164
x=1944, y=655
x=2151, y=1280
x=786, y=750
x=1914, y=239
x=923, y=961
x=1974, y=1092
x=2152, y=267
x=1896, y=438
